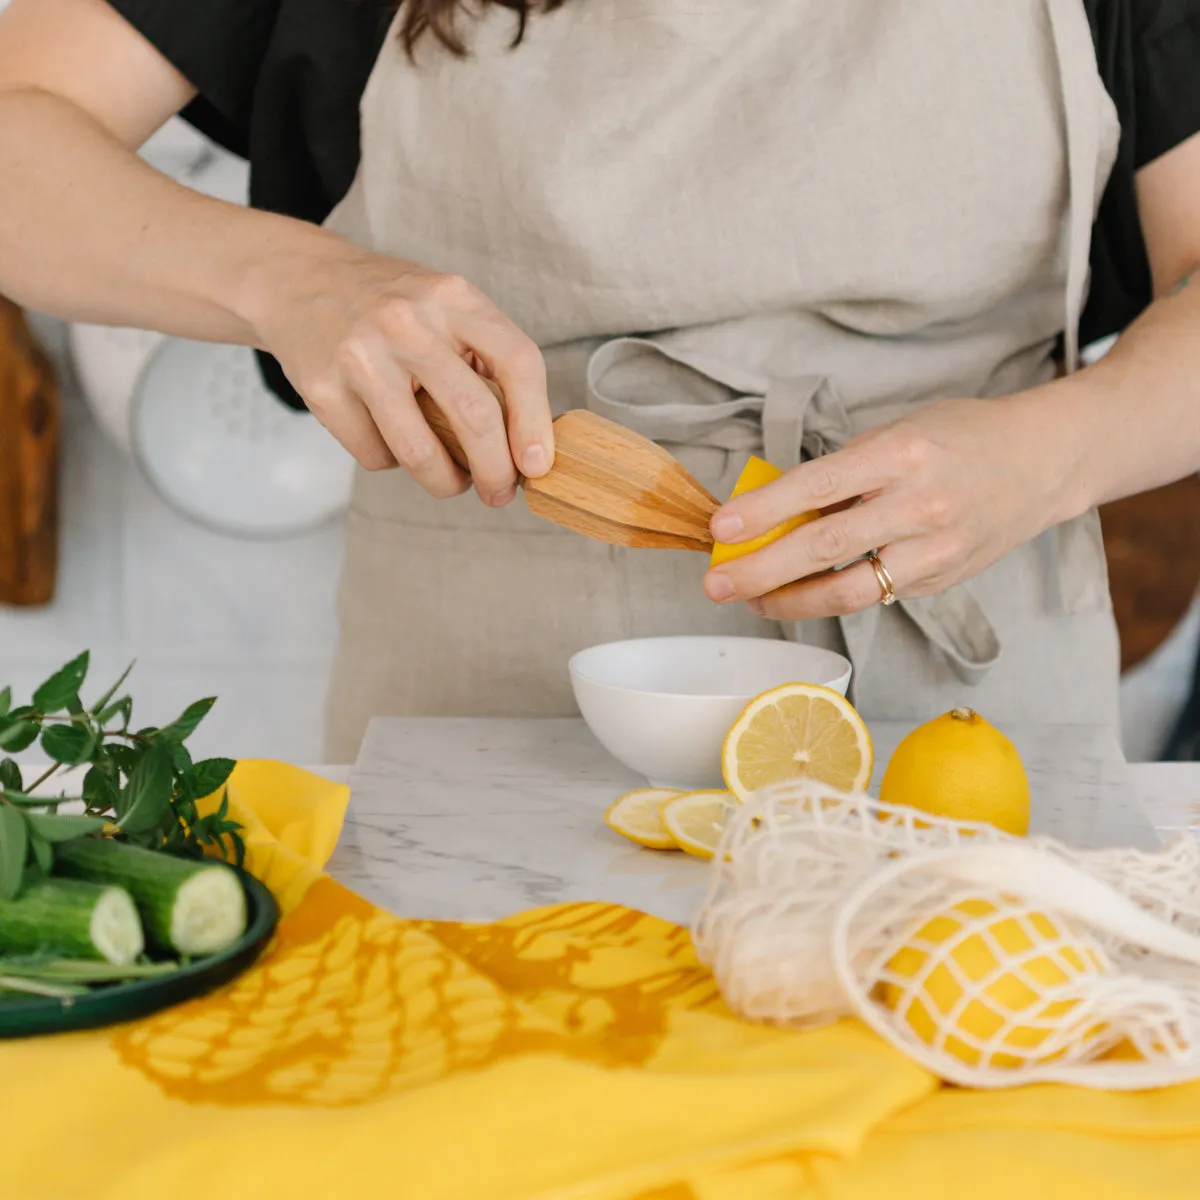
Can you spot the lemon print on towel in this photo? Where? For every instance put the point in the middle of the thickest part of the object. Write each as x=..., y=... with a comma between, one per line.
x=351, y=1003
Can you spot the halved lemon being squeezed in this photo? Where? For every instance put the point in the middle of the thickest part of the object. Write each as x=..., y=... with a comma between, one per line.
x=798, y=731
x=757, y=473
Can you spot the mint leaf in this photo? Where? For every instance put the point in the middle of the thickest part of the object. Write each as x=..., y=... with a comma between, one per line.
x=64, y=828
x=18, y=736
x=43, y=852
x=10, y=775
x=102, y=703
x=14, y=838
x=184, y=725
x=99, y=790
x=62, y=686
x=209, y=774
x=146, y=798
x=124, y=707
x=70, y=744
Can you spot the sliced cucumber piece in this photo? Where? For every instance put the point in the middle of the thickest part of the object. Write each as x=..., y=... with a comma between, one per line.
x=209, y=913
x=71, y=916
x=190, y=906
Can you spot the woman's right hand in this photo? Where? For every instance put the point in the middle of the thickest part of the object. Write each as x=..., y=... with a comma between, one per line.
x=359, y=333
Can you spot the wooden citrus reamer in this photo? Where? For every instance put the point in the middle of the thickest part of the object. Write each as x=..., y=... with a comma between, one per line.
x=607, y=483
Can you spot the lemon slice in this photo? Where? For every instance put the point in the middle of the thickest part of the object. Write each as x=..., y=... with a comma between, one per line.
x=798, y=731
x=697, y=819
x=637, y=816
x=757, y=473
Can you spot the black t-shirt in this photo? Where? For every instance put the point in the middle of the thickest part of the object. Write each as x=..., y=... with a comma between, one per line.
x=280, y=83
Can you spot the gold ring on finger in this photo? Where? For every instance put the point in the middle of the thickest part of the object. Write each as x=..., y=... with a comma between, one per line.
x=886, y=583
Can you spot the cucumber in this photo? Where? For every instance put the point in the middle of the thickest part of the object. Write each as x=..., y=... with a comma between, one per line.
x=69, y=916
x=190, y=906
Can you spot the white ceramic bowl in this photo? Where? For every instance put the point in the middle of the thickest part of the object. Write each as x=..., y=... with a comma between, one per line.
x=662, y=706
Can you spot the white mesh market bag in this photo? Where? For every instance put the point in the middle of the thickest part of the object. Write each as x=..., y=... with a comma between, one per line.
x=993, y=961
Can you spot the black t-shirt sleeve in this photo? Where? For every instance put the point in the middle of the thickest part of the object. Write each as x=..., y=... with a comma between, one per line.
x=219, y=46
x=1166, y=75
x=1148, y=52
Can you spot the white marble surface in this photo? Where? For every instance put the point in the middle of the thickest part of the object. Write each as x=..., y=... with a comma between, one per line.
x=382, y=850
x=477, y=819
x=474, y=820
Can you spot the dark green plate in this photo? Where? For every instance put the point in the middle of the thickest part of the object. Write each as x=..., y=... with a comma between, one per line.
x=141, y=997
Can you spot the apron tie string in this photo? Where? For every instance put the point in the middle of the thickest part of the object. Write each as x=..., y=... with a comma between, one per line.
x=1080, y=541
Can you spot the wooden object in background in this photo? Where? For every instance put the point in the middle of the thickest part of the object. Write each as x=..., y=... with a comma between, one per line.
x=29, y=444
x=609, y=484
x=1153, y=545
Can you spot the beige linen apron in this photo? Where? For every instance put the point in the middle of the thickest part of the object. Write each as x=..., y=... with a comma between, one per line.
x=824, y=215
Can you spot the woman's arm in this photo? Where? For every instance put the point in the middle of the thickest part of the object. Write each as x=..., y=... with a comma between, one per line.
x=89, y=231
x=956, y=485
x=1138, y=409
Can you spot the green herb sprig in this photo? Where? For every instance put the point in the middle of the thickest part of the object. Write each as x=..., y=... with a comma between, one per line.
x=143, y=783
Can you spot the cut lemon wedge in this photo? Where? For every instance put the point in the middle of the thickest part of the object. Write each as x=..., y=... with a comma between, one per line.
x=638, y=817
x=757, y=473
x=696, y=820
x=798, y=731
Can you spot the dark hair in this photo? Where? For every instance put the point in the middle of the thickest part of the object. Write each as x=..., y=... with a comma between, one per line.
x=441, y=18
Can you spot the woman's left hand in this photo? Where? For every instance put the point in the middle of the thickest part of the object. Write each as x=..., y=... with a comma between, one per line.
x=944, y=491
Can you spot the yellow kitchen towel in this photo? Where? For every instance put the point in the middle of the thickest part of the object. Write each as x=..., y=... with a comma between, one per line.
x=577, y=1051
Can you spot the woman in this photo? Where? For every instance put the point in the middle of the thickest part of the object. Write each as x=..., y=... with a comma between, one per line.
x=860, y=234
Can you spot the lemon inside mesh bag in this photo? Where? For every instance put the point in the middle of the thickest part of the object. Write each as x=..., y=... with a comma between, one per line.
x=993, y=961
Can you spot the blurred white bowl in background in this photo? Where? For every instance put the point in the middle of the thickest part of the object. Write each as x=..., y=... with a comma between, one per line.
x=109, y=360
x=205, y=430
x=226, y=453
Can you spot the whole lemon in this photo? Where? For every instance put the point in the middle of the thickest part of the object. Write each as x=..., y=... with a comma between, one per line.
x=958, y=766
x=1017, y=978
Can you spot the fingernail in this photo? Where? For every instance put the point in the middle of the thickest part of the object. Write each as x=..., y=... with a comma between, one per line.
x=504, y=497
x=533, y=461
x=756, y=607
x=726, y=526
x=719, y=588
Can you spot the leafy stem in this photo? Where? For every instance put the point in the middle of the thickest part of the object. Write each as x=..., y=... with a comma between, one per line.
x=37, y=783
x=141, y=784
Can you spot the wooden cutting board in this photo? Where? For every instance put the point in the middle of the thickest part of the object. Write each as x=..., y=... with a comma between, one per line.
x=1153, y=547
x=29, y=446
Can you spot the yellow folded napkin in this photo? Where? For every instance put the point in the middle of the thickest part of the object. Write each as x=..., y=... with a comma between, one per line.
x=576, y=1051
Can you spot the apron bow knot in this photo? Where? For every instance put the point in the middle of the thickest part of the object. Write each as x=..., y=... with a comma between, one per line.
x=681, y=397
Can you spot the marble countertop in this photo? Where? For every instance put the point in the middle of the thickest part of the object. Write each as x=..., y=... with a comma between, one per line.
x=477, y=819
x=473, y=820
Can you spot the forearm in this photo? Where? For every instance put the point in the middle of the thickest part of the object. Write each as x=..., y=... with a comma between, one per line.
x=90, y=232
x=1131, y=422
